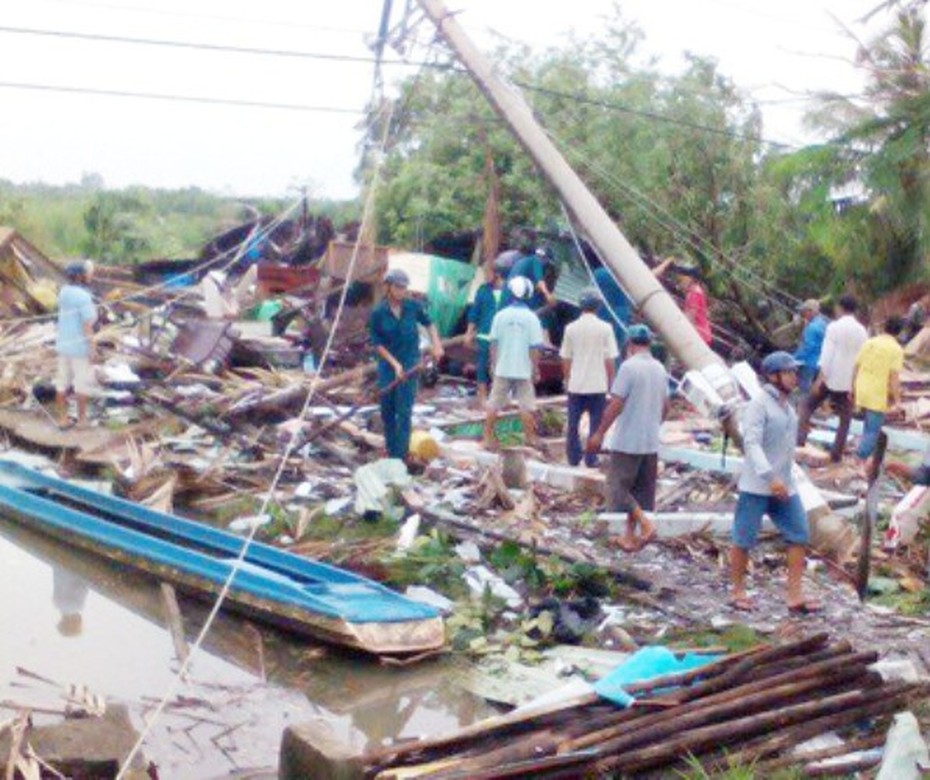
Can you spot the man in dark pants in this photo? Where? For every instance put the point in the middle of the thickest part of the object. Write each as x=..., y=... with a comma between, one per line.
x=841, y=344
x=639, y=403
x=588, y=352
x=480, y=316
x=396, y=340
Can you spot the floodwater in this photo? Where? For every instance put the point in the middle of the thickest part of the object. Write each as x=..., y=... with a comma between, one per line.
x=70, y=617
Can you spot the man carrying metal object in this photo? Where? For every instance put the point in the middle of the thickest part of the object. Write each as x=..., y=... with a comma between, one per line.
x=396, y=340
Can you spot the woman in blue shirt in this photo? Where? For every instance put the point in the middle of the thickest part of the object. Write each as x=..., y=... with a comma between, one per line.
x=396, y=340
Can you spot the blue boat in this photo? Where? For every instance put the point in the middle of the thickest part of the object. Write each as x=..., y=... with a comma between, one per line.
x=271, y=585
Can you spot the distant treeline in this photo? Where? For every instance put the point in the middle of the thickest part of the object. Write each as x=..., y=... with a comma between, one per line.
x=134, y=224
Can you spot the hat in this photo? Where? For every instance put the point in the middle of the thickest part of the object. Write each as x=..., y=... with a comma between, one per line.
x=639, y=333
x=74, y=270
x=688, y=270
x=505, y=260
x=779, y=361
x=520, y=288
x=811, y=304
x=398, y=278
x=590, y=298
x=545, y=253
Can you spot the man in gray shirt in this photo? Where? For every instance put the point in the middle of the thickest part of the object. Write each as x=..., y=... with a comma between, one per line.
x=766, y=485
x=639, y=403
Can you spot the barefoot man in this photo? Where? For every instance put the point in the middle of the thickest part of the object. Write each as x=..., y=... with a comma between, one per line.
x=639, y=403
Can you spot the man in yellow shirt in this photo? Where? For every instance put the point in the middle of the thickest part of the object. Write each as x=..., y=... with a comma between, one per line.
x=877, y=384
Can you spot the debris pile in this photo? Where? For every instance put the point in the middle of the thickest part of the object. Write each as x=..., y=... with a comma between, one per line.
x=760, y=705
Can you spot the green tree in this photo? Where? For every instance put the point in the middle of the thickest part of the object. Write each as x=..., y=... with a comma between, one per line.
x=114, y=224
x=883, y=139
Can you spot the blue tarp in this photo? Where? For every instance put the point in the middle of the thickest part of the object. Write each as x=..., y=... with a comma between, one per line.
x=646, y=664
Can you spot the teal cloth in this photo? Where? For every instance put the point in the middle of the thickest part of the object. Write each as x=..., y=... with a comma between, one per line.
x=646, y=664
x=449, y=281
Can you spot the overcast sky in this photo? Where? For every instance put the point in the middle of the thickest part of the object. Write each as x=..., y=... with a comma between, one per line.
x=776, y=52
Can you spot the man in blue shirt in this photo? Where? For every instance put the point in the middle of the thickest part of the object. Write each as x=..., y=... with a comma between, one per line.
x=616, y=309
x=480, y=316
x=396, y=339
x=808, y=352
x=532, y=266
x=516, y=335
x=75, y=346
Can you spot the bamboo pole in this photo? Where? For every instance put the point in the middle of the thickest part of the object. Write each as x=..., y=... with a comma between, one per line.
x=849, y=707
x=742, y=699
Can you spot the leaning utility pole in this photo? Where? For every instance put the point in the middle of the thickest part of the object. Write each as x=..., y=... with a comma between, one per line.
x=646, y=292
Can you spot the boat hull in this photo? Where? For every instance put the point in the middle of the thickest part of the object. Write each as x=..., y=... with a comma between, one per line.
x=272, y=586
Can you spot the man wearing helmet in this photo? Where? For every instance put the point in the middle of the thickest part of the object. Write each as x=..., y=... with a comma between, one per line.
x=766, y=485
x=588, y=352
x=639, y=403
x=396, y=339
x=515, y=336
x=480, y=316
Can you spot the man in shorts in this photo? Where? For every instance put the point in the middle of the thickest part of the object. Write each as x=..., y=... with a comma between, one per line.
x=516, y=336
x=639, y=403
x=75, y=342
x=766, y=485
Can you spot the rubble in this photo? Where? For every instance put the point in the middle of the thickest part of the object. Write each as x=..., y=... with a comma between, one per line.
x=515, y=549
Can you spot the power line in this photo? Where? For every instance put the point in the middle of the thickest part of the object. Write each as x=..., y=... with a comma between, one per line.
x=650, y=115
x=178, y=98
x=208, y=17
x=292, y=53
x=200, y=46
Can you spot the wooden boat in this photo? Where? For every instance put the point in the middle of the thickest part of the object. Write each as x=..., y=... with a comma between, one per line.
x=271, y=585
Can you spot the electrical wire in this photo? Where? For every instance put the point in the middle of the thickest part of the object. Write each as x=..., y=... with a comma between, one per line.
x=199, y=46
x=291, y=445
x=176, y=98
x=683, y=233
x=290, y=25
x=234, y=254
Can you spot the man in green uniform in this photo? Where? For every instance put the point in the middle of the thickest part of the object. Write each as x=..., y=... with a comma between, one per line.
x=396, y=340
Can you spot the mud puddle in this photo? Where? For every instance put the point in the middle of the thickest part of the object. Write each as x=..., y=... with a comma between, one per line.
x=69, y=617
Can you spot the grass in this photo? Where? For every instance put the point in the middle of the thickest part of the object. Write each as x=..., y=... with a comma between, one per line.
x=696, y=771
x=735, y=638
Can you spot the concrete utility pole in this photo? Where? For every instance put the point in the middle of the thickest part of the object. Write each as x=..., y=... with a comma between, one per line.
x=647, y=293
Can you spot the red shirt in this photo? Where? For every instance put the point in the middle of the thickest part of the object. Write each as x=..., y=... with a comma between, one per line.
x=696, y=311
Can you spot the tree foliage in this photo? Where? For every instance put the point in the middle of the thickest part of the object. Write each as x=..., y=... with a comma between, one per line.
x=680, y=164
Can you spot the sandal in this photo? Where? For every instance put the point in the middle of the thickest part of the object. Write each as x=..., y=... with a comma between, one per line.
x=805, y=608
x=743, y=604
x=67, y=426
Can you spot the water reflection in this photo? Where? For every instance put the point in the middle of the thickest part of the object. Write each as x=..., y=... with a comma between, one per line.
x=105, y=627
x=69, y=593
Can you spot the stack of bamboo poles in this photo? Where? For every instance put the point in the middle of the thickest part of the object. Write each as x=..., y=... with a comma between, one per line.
x=746, y=708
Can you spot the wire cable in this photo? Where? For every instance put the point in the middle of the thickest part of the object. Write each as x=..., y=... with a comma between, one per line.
x=200, y=46
x=292, y=442
x=176, y=98
x=683, y=233
x=234, y=254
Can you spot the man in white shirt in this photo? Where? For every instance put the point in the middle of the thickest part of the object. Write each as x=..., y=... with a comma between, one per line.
x=589, y=351
x=841, y=344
